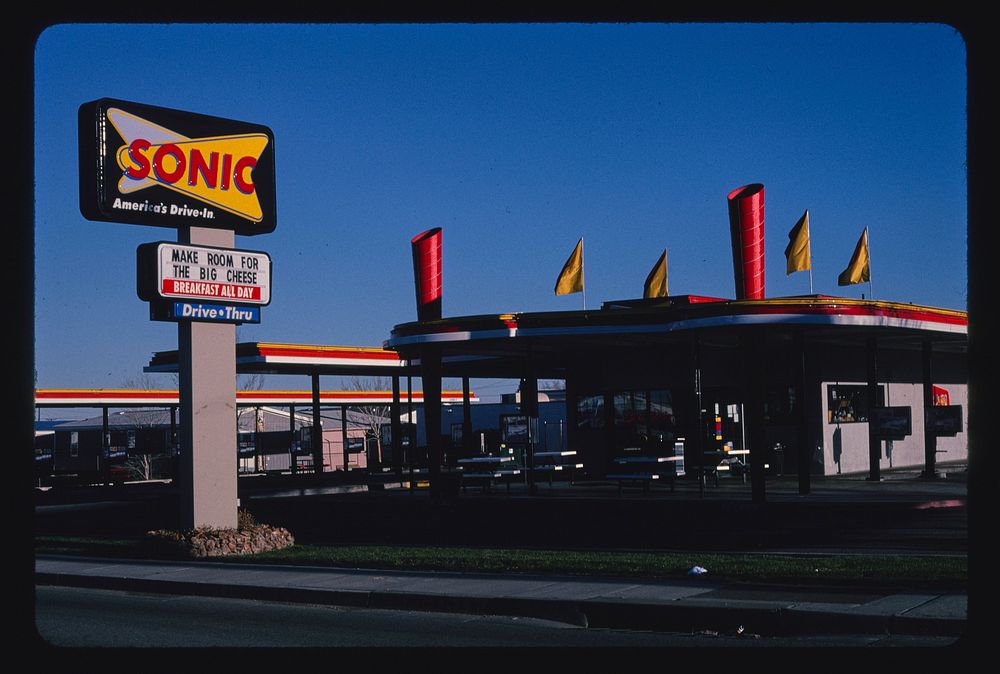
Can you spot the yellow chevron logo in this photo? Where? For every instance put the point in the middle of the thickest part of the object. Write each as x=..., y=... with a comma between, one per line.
x=217, y=170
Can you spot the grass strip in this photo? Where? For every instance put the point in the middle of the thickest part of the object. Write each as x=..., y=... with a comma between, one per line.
x=854, y=570
x=86, y=546
x=766, y=568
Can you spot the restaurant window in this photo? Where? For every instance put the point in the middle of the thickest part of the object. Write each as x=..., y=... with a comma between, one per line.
x=662, y=423
x=643, y=418
x=246, y=443
x=780, y=405
x=590, y=412
x=848, y=403
x=627, y=419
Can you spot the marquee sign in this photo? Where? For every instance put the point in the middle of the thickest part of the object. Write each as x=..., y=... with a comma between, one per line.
x=145, y=165
x=176, y=271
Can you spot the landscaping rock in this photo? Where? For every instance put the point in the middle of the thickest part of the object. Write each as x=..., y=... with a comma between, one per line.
x=209, y=542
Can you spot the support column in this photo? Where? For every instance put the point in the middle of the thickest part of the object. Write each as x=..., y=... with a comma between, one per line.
x=570, y=439
x=529, y=407
x=207, y=359
x=104, y=459
x=173, y=431
x=874, y=444
x=411, y=440
x=467, y=445
x=175, y=459
x=755, y=385
x=930, y=439
x=430, y=377
x=343, y=434
x=804, y=449
x=317, y=427
x=257, y=430
x=293, y=460
x=609, y=430
x=699, y=432
x=396, y=427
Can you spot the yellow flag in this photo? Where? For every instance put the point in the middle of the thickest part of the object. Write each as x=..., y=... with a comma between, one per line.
x=797, y=253
x=857, y=271
x=571, y=277
x=656, y=282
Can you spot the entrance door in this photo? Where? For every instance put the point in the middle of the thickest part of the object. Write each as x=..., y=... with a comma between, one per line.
x=723, y=420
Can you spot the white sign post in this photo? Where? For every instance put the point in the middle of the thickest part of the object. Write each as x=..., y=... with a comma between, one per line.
x=207, y=357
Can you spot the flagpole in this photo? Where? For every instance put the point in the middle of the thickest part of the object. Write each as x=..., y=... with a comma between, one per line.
x=583, y=273
x=868, y=236
x=810, y=262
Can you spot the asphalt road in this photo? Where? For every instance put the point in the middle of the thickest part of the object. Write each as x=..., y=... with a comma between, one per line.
x=85, y=618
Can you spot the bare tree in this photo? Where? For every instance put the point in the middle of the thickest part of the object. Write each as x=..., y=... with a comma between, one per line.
x=145, y=381
x=249, y=382
x=372, y=416
x=142, y=465
x=253, y=381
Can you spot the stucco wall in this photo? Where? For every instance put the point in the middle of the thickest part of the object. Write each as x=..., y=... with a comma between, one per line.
x=845, y=445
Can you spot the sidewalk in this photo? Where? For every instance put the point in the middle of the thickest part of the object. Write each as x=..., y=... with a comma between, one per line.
x=689, y=605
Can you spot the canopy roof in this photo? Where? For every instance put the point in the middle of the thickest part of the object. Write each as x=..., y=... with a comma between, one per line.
x=500, y=345
x=276, y=358
x=167, y=398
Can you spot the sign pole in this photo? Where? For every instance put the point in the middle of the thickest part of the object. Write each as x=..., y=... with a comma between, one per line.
x=207, y=359
x=210, y=179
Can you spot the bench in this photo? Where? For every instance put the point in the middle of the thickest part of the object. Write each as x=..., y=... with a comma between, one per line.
x=727, y=461
x=486, y=479
x=485, y=470
x=414, y=474
x=553, y=468
x=646, y=477
x=555, y=464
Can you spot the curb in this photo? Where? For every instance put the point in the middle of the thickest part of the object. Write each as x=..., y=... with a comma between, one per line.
x=547, y=609
x=762, y=618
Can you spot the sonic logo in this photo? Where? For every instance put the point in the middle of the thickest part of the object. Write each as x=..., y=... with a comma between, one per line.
x=216, y=170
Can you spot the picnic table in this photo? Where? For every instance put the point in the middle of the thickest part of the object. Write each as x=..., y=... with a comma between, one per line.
x=727, y=460
x=555, y=462
x=486, y=470
x=646, y=468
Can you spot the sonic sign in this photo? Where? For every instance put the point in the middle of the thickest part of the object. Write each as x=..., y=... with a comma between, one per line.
x=145, y=165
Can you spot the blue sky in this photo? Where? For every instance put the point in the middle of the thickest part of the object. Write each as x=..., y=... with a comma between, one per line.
x=517, y=140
